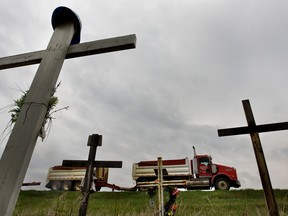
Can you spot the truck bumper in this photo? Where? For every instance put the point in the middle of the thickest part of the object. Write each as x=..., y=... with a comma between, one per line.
x=237, y=184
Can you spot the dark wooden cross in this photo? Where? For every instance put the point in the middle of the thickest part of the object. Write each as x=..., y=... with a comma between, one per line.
x=254, y=131
x=94, y=141
x=20, y=146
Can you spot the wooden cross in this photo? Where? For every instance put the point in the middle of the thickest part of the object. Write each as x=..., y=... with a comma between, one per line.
x=19, y=149
x=254, y=131
x=94, y=141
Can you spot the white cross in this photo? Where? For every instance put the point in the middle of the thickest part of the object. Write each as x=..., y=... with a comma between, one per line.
x=19, y=149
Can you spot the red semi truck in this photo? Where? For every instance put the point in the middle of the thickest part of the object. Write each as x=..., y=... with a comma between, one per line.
x=199, y=173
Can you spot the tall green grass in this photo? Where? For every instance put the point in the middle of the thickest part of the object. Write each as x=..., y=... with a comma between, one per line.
x=210, y=203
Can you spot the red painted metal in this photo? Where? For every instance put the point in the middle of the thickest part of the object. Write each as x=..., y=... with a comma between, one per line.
x=164, y=162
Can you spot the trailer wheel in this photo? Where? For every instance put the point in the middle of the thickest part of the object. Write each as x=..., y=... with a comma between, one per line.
x=98, y=188
x=67, y=185
x=77, y=185
x=222, y=184
x=142, y=189
x=56, y=185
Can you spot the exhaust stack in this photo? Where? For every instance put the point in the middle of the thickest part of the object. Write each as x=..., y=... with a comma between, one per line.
x=194, y=150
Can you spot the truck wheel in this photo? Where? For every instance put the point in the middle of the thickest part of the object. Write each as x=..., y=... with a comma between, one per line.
x=67, y=185
x=142, y=189
x=77, y=185
x=222, y=184
x=56, y=185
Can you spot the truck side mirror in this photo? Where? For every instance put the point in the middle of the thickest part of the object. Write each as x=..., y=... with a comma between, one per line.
x=214, y=168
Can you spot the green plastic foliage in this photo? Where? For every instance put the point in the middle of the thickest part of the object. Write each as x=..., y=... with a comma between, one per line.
x=15, y=111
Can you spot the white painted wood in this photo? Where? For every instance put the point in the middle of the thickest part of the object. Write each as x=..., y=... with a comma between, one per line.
x=77, y=50
x=160, y=188
x=18, y=152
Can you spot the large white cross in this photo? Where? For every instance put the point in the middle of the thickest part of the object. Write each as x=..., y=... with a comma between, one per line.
x=19, y=149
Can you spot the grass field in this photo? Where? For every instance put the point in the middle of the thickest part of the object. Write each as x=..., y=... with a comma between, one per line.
x=201, y=203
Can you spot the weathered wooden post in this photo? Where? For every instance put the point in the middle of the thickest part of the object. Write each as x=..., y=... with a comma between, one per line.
x=254, y=131
x=19, y=149
x=160, y=188
x=94, y=141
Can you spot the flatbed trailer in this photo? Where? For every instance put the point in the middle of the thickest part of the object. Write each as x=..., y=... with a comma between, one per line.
x=70, y=178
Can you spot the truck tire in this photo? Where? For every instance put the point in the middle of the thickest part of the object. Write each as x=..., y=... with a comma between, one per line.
x=56, y=185
x=77, y=185
x=222, y=184
x=142, y=189
x=67, y=185
x=98, y=188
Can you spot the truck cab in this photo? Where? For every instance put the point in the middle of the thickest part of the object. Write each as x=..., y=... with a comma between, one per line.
x=220, y=176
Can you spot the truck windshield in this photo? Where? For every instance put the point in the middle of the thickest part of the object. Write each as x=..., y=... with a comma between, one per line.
x=205, y=161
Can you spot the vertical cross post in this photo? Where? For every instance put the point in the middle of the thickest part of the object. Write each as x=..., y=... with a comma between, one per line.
x=260, y=158
x=23, y=137
x=94, y=141
x=254, y=130
x=160, y=188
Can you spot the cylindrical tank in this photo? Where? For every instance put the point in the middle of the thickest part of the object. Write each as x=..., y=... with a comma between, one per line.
x=102, y=174
x=199, y=183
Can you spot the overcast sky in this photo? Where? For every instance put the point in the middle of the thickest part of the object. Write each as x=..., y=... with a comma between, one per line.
x=195, y=61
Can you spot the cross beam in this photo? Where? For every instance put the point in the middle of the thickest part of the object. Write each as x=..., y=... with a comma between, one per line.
x=83, y=163
x=76, y=50
x=253, y=130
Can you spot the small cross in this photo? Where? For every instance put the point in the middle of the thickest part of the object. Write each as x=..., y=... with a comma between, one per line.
x=254, y=131
x=94, y=141
x=19, y=149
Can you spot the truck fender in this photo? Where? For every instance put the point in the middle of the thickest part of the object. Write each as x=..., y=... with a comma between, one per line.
x=48, y=185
